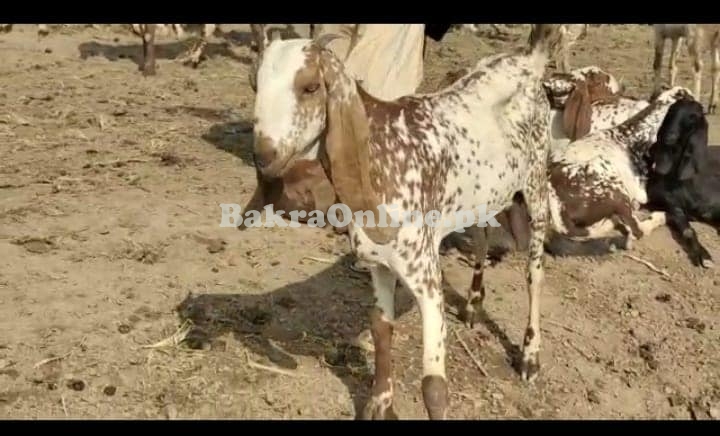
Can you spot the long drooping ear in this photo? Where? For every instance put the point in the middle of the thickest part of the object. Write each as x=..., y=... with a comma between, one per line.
x=671, y=127
x=694, y=155
x=577, y=116
x=599, y=89
x=661, y=156
x=346, y=145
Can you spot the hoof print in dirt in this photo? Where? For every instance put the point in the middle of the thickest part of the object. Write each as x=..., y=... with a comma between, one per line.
x=214, y=245
x=36, y=245
x=695, y=324
x=647, y=353
x=593, y=396
x=143, y=253
x=663, y=298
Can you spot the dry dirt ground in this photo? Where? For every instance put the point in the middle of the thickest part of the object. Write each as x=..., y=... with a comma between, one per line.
x=110, y=185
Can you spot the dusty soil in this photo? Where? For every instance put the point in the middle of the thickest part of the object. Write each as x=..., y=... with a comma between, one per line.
x=110, y=186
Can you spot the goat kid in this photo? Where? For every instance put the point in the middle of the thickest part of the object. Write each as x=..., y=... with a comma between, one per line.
x=586, y=101
x=682, y=182
x=424, y=152
x=591, y=96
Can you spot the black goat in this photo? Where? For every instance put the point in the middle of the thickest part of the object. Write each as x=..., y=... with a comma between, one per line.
x=681, y=181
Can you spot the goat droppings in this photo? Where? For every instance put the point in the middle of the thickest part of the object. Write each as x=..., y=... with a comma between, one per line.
x=76, y=385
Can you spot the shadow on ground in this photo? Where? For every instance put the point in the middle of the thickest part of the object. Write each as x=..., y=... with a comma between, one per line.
x=169, y=50
x=319, y=317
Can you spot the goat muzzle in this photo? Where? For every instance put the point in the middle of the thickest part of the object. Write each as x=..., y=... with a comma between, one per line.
x=264, y=151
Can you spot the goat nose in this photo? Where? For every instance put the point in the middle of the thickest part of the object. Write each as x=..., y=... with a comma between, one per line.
x=262, y=160
x=265, y=153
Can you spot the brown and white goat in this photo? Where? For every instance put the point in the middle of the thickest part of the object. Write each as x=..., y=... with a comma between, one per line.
x=585, y=101
x=699, y=39
x=597, y=183
x=478, y=142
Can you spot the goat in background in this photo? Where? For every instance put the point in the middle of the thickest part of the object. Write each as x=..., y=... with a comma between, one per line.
x=699, y=38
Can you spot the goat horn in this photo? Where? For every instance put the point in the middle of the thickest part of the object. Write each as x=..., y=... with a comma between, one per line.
x=324, y=40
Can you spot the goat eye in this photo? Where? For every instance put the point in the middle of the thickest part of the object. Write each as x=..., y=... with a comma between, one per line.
x=310, y=89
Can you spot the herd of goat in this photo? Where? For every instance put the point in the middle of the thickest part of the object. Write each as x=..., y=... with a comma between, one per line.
x=564, y=155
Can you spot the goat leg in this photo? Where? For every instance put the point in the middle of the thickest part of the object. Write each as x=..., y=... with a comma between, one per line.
x=148, y=62
x=382, y=316
x=476, y=293
x=712, y=107
x=520, y=224
x=678, y=221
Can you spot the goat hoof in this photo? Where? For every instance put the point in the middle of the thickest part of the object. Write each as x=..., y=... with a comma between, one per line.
x=470, y=317
x=471, y=314
x=378, y=410
x=701, y=257
x=530, y=367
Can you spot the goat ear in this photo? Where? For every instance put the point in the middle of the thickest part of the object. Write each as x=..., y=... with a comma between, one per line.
x=577, y=116
x=694, y=155
x=346, y=145
x=687, y=168
x=663, y=161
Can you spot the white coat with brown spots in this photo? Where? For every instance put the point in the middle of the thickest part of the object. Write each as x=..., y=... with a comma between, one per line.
x=597, y=183
x=477, y=142
x=589, y=93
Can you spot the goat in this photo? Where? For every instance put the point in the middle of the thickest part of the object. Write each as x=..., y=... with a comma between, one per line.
x=304, y=188
x=682, y=182
x=597, y=182
x=478, y=142
x=193, y=55
x=699, y=39
x=585, y=101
